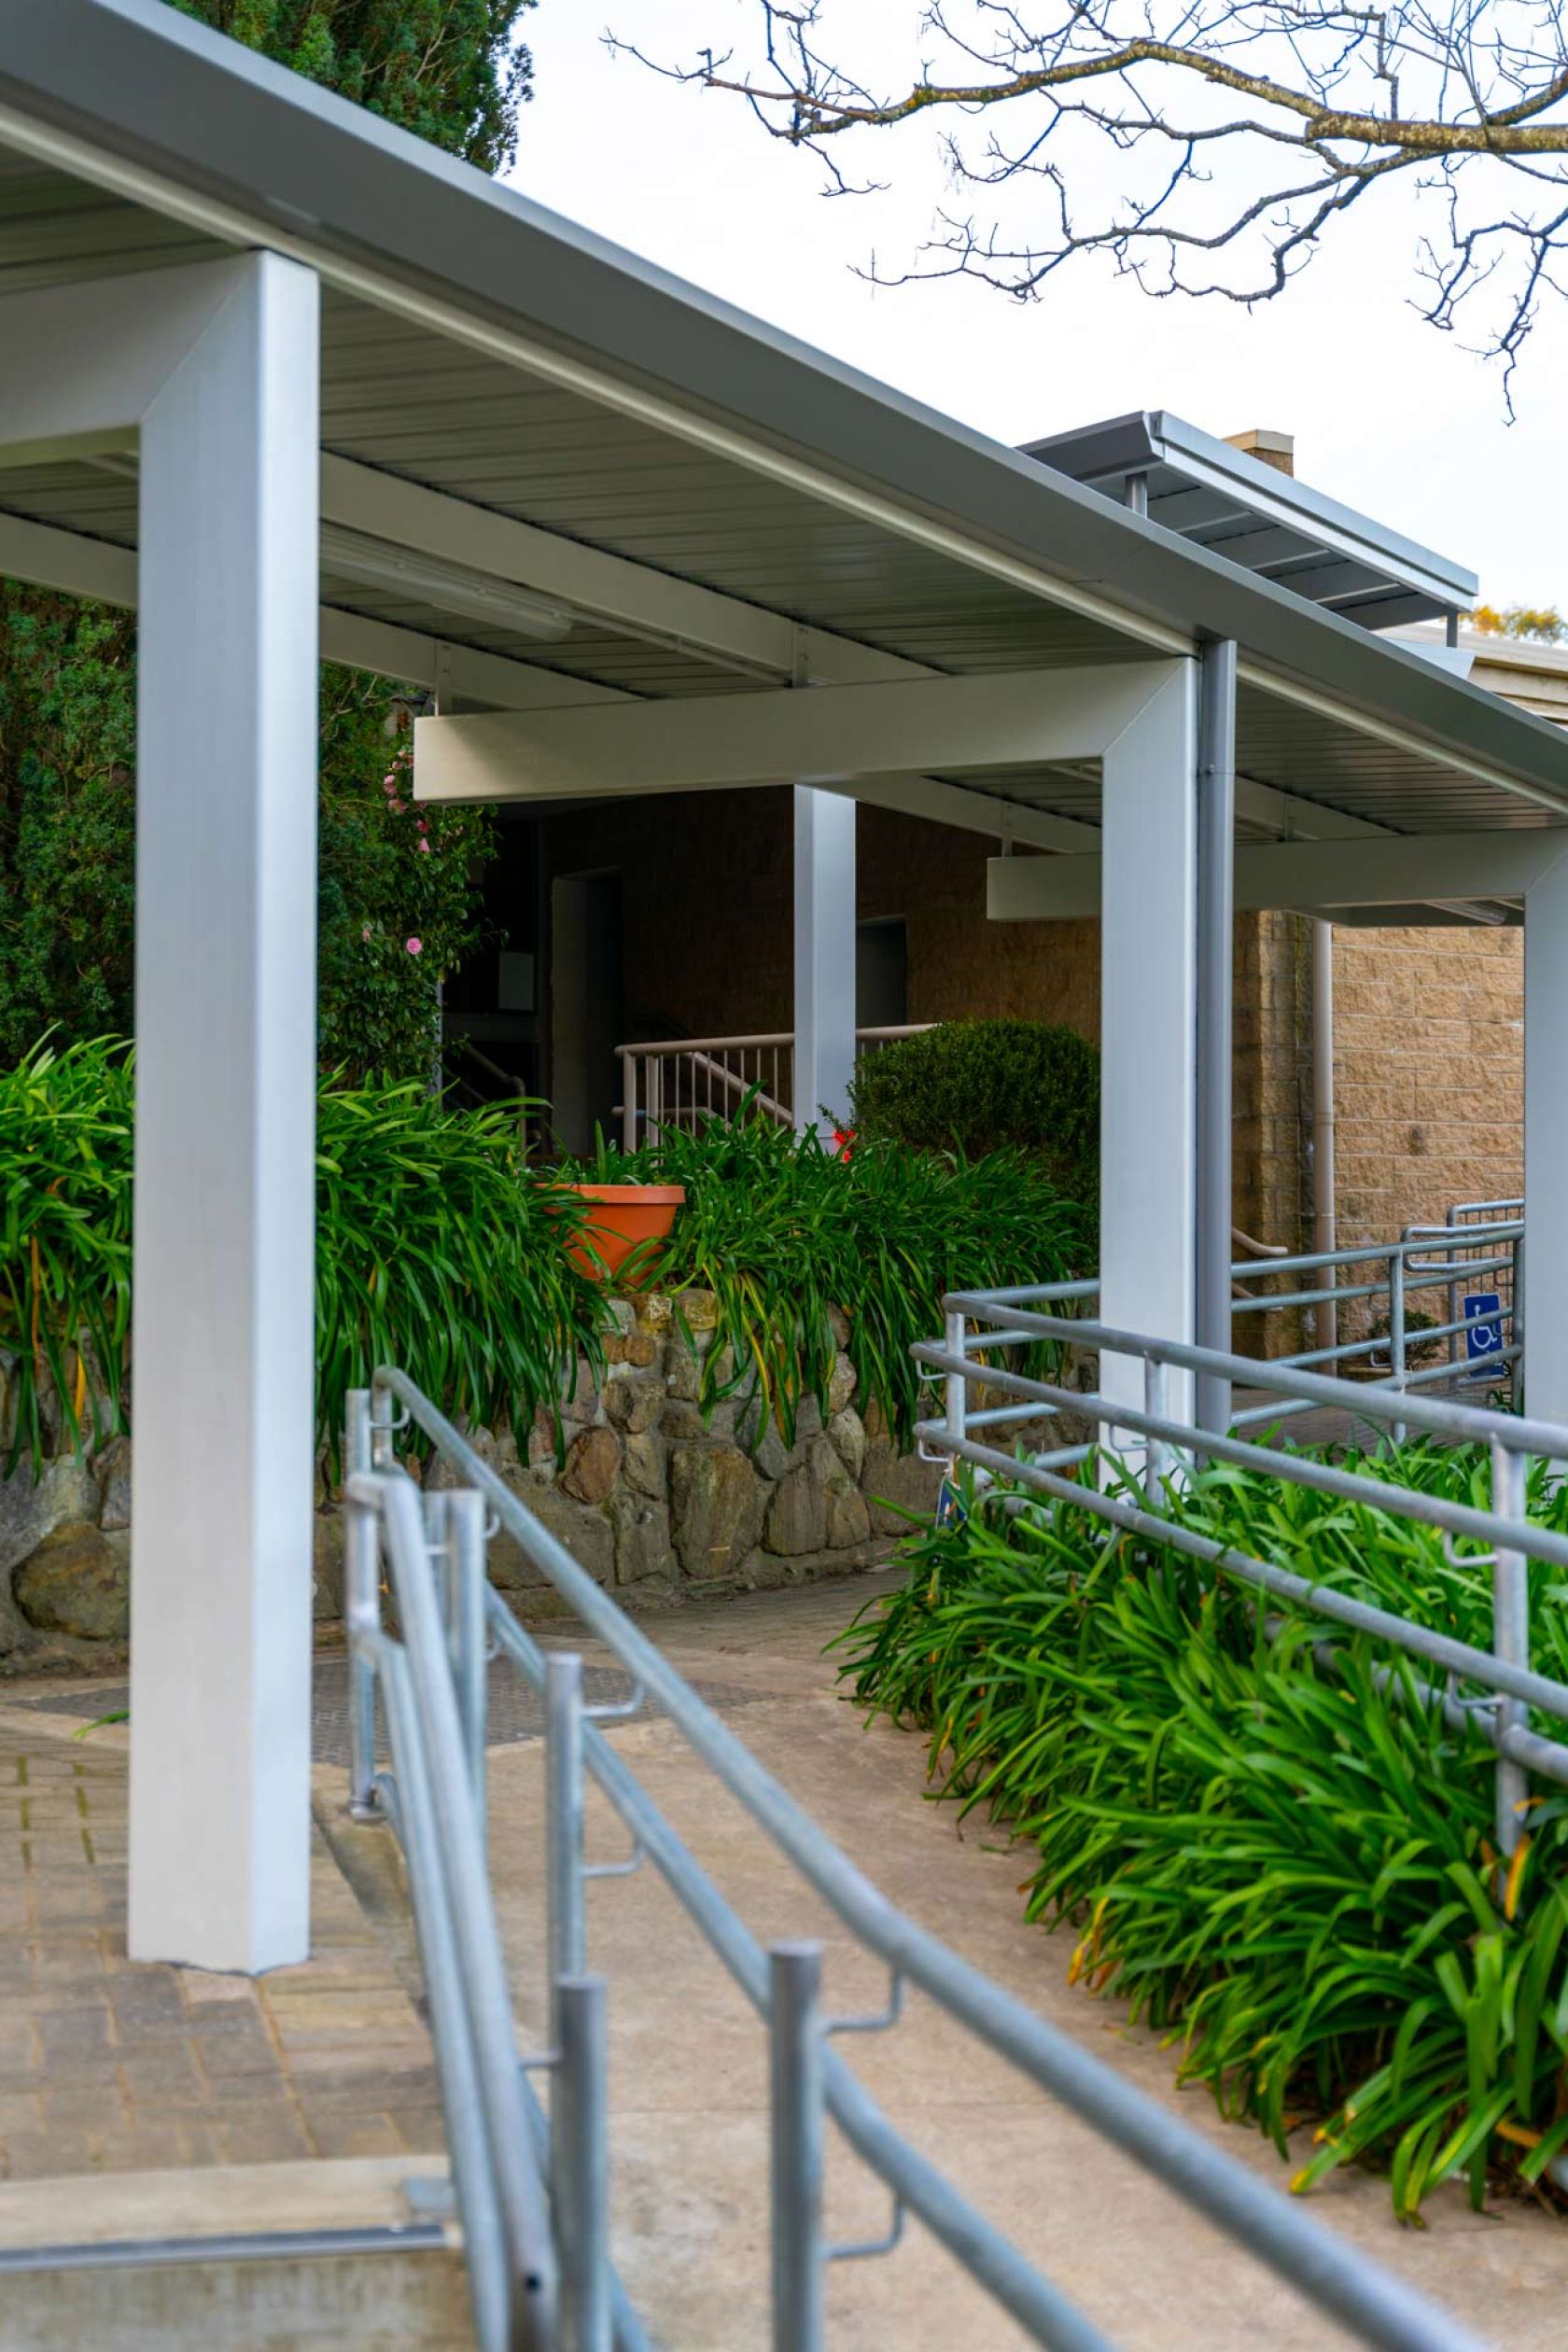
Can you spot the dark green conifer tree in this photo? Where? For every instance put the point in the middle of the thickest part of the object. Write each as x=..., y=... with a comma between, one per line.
x=453, y=71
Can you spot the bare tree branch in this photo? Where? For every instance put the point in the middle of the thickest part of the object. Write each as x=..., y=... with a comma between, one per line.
x=1201, y=147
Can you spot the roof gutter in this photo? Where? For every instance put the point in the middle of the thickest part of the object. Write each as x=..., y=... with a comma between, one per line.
x=132, y=95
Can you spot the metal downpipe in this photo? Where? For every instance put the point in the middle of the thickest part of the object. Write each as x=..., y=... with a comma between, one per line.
x=1324, y=1222
x=1216, y=899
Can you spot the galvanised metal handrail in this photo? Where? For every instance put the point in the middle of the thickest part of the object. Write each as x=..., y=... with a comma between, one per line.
x=1405, y=1268
x=1425, y=1258
x=434, y=1800
x=979, y=1322
x=810, y=2081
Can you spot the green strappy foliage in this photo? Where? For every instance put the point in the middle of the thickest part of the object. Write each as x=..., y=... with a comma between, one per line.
x=1281, y=1858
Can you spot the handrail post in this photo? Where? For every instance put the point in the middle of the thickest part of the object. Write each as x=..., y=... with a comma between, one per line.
x=795, y=2085
x=467, y=1629
x=1510, y=1639
x=580, y=2163
x=1397, y=1328
x=628, y=1101
x=361, y=1612
x=1515, y=1326
x=1158, y=1460
x=957, y=1386
x=566, y=1926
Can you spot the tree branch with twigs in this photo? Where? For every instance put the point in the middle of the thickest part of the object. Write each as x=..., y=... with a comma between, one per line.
x=1200, y=147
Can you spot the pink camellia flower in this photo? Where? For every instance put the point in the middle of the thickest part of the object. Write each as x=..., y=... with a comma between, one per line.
x=388, y=783
x=423, y=848
x=399, y=808
x=414, y=946
x=365, y=931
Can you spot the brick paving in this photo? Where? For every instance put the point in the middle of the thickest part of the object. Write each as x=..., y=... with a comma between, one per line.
x=109, y=2068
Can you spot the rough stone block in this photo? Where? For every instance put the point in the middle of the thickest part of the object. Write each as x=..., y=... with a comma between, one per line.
x=842, y=1386
x=593, y=1465
x=847, y=1431
x=327, y=1566
x=586, y=1534
x=715, y=1508
x=645, y=1464
x=797, y=1514
x=78, y=1582
x=114, y=1469
x=28, y=1512
x=642, y=1538
x=894, y=1484
x=632, y=1401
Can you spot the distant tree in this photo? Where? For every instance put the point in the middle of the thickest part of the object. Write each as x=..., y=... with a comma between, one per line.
x=1204, y=147
x=452, y=71
x=397, y=901
x=1543, y=626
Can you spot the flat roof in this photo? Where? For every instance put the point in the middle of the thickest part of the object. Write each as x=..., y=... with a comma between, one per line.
x=479, y=348
x=1220, y=497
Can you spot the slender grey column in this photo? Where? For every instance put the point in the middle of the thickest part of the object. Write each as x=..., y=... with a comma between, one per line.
x=1216, y=867
x=824, y=958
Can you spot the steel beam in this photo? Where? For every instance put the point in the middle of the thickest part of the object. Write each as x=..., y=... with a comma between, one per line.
x=78, y=565
x=810, y=735
x=1389, y=869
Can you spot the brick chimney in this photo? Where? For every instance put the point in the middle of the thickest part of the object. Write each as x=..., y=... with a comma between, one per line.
x=1273, y=449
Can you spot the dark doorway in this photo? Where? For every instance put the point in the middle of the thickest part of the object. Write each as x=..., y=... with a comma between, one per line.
x=588, y=1006
x=882, y=973
x=490, y=1006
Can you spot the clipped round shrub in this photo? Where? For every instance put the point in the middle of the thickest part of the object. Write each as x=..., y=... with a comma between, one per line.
x=979, y=1087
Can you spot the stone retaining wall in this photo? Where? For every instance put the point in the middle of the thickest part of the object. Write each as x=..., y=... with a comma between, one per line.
x=656, y=1497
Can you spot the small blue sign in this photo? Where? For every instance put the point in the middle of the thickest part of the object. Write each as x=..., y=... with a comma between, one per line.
x=1483, y=1331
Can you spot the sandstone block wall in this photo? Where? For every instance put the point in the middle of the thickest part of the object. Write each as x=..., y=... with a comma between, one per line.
x=1429, y=1073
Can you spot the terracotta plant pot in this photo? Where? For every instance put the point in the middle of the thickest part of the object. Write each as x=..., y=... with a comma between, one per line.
x=627, y=1219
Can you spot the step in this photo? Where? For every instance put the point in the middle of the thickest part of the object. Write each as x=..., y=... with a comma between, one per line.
x=245, y=2257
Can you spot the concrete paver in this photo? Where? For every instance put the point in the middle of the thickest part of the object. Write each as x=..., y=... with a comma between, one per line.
x=106, y=2067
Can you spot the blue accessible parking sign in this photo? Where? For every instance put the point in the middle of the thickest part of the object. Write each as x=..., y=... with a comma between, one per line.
x=1483, y=1331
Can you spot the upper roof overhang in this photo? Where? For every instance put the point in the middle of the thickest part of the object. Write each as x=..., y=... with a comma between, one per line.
x=653, y=422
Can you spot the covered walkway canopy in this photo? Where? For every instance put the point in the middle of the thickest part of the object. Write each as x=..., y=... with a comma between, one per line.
x=289, y=381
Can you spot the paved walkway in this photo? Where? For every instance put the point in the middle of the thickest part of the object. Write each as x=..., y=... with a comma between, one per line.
x=104, y=2066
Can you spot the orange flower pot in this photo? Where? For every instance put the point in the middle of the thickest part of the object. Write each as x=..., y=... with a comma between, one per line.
x=627, y=1221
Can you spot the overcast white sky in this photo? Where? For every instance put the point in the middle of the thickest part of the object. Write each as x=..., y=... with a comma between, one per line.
x=1387, y=415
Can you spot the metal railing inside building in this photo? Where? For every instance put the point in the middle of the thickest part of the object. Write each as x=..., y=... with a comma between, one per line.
x=679, y=1082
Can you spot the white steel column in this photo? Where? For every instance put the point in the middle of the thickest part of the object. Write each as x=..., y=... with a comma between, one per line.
x=1546, y=1145
x=225, y=1136
x=824, y=956
x=1148, y=1033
